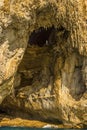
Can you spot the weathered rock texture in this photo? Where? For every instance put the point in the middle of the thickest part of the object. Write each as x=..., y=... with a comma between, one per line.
x=47, y=80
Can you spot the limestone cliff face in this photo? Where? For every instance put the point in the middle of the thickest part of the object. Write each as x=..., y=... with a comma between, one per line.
x=43, y=59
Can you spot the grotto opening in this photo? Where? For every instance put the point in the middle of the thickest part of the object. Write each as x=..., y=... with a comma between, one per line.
x=42, y=36
x=37, y=63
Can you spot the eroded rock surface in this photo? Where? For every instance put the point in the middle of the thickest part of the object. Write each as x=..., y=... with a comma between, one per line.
x=44, y=78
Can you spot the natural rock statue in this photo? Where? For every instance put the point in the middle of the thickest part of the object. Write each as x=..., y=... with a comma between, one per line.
x=44, y=79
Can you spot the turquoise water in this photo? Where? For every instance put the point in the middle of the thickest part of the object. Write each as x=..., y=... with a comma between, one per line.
x=24, y=128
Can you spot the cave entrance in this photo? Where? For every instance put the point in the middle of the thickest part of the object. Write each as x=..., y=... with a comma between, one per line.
x=34, y=70
x=42, y=36
x=38, y=62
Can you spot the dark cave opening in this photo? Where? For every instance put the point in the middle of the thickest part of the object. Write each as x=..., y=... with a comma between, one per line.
x=42, y=36
x=41, y=45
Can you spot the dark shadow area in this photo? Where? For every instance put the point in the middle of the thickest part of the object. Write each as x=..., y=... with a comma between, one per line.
x=41, y=36
x=26, y=115
x=2, y=112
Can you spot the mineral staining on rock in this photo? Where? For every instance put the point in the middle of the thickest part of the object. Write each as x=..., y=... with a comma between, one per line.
x=43, y=55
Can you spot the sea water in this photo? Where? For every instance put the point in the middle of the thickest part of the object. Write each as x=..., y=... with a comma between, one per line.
x=26, y=128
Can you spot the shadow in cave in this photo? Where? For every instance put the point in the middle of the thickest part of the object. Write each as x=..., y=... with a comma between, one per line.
x=26, y=116
x=42, y=36
x=47, y=36
x=3, y=114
